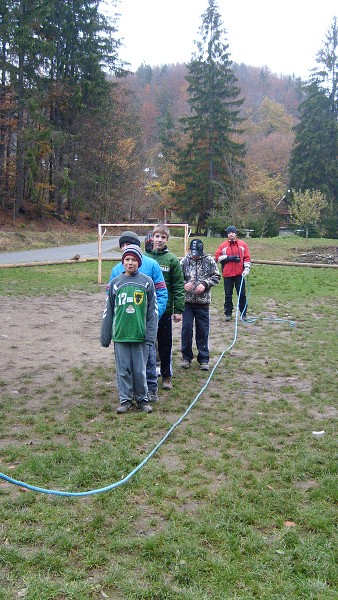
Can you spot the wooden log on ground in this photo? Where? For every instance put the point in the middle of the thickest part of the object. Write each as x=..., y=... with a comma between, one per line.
x=293, y=264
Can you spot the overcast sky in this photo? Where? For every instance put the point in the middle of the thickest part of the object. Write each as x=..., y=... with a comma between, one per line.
x=284, y=35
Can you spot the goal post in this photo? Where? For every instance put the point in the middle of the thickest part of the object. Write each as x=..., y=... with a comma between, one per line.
x=103, y=228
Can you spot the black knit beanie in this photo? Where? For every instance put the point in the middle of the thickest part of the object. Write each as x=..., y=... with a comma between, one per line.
x=129, y=237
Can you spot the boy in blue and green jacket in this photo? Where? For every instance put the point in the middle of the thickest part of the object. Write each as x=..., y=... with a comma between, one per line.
x=173, y=276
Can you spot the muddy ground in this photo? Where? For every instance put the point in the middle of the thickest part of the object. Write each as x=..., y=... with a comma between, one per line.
x=44, y=338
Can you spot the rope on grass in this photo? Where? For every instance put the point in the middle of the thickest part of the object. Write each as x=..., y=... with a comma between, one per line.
x=124, y=480
x=249, y=320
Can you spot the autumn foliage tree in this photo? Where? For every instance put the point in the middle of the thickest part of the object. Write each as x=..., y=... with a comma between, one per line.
x=306, y=208
x=269, y=141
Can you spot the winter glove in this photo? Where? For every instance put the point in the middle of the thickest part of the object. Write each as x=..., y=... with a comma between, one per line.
x=231, y=258
x=246, y=272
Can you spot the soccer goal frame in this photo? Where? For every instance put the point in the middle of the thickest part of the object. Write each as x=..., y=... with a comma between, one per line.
x=104, y=227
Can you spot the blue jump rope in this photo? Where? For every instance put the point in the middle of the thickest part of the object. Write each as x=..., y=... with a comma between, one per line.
x=112, y=486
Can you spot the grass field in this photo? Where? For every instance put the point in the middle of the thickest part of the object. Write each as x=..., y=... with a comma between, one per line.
x=238, y=504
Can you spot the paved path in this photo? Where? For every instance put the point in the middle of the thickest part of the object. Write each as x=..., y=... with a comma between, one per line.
x=60, y=253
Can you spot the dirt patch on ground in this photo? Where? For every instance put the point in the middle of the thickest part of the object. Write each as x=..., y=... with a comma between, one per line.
x=45, y=340
x=44, y=337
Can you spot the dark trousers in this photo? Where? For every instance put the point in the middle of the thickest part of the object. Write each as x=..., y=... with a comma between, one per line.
x=229, y=284
x=164, y=344
x=200, y=314
x=151, y=368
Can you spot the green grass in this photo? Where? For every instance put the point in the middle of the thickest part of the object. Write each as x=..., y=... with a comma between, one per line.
x=277, y=249
x=52, y=279
x=206, y=517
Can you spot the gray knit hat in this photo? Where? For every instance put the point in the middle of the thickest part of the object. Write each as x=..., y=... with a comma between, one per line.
x=129, y=237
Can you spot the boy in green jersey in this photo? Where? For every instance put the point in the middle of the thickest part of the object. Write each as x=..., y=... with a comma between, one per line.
x=130, y=319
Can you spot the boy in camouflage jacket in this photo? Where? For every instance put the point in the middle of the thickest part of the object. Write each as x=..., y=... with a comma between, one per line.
x=200, y=274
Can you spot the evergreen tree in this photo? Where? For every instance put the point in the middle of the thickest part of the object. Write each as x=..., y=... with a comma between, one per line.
x=210, y=167
x=313, y=157
x=54, y=61
x=26, y=50
x=81, y=42
x=313, y=163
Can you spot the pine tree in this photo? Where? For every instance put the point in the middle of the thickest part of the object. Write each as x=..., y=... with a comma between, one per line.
x=210, y=165
x=81, y=41
x=26, y=61
x=313, y=163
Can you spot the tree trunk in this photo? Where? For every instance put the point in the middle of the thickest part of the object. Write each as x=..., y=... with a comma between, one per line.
x=19, y=182
x=2, y=146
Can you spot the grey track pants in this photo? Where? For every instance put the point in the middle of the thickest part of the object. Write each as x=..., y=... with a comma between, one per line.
x=131, y=360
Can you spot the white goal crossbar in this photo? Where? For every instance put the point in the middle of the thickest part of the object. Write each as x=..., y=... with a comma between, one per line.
x=102, y=231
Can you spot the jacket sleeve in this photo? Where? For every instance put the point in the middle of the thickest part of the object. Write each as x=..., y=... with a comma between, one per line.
x=220, y=256
x=177, y=286
x=160, y=288
x=117, y=270
x=183, y=264
x=152, y=314
x=107, y=321
x=246, y=257
x=213, y=276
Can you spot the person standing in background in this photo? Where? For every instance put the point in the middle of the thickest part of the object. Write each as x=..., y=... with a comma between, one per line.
x=234, y=256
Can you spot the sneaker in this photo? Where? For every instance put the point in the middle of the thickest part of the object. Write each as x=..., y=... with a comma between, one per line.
x=204, y=367
x=152, y=396
x=185, y=364
x=167, y=384
x=228, y=317
x=145, y=407
x=124, y=407
x=158, y=371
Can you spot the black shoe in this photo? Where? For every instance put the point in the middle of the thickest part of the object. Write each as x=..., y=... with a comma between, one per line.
x=145, y=407
x=124, y=407
x=152, y=396
x=204, y=367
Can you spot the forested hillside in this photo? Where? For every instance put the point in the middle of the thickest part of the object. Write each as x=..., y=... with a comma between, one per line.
x=158, y=98
x=82, y=137
x=143, y=107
